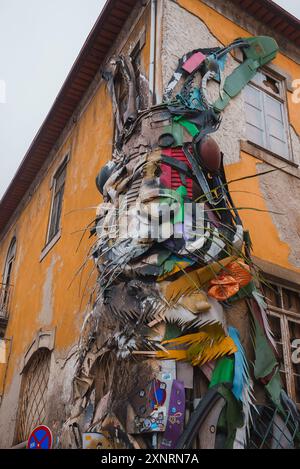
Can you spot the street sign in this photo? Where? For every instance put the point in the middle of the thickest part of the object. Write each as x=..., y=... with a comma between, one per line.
x=40, y=438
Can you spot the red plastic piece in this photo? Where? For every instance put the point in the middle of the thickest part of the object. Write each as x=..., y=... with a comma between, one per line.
x=170, y=177
x=193, y=62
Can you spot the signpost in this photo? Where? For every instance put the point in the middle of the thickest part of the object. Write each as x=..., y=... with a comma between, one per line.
x=40, y=438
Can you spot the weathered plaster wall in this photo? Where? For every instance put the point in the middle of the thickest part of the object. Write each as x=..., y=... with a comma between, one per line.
x=60, y=384
x=191, y=24
x=282, y=195
x=183, y=32
x=248, y=196
x=9, y=410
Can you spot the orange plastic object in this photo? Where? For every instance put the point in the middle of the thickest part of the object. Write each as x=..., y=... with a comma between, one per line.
x=223, y=292
x=223, y=279
x=240, y=272
x=229, y=282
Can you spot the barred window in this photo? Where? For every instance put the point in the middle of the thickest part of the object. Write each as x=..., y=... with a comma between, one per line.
x=57, y=201
x=33, y=396
x=284, y=318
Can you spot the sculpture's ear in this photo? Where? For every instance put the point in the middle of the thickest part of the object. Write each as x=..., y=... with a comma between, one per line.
x=258, y=51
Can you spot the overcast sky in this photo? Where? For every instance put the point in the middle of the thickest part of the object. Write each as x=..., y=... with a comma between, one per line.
x=39, y=41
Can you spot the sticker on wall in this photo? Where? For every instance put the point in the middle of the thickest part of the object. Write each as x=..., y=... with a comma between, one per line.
x=40, y=438
x=94, y=440
x=149, y=405
x=176, y=415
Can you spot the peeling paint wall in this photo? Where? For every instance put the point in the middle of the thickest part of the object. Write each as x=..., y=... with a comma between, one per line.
x=183, y=32
x=282, y=195
x=46, y=312
x=62, y=371
x=9, y=408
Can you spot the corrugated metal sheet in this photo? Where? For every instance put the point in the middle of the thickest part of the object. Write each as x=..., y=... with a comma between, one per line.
x=91, y=56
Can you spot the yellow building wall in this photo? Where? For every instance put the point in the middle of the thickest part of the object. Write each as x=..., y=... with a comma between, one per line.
x=54, y=293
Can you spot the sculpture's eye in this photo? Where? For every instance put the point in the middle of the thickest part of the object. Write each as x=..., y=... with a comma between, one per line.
x=210, y=154
x=166, y=140
x=158, y=171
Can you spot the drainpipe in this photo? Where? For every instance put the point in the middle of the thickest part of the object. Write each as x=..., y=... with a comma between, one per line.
x=152, y=97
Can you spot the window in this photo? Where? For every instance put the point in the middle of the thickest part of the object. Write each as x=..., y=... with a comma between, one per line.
x=6, y=280
x=266, y=114
x=284, y=317
x=57, y=201
x=33, y=397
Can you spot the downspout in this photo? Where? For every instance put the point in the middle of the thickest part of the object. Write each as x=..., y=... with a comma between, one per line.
x=152, y=97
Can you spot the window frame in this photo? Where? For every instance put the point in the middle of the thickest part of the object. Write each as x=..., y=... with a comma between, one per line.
x=286, y=317
x=62, y=167
x=42, y=358
x=282, y=99
x=6, y=284
x=9, y=261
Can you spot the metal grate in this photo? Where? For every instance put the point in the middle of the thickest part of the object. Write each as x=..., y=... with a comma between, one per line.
x=270, y=430
x=32, y=410
x=284, y=318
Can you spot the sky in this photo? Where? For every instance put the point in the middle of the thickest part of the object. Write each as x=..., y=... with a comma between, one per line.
x=39, y=42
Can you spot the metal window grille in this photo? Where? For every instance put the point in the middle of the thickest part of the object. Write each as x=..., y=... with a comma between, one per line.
x=33, y=398
x=284, y=316
x=271, y=431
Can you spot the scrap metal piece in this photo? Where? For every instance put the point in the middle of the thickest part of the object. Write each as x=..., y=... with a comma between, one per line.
x=122, y=69
x=271, y=430
x=258, y=51
x=104, y=175
x=192, y=63
x=209, y=427
x=166, y=140
x=200, y=416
